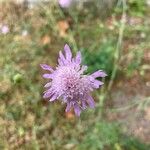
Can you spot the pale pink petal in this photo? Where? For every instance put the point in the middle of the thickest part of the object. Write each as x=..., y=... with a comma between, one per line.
x=99, y=73
x=48, y=84
x=54, y=97
x=77, y=109
x=48, y=93
x=60, y=62
x=90, y=101
x=84, y=104
x=61, y=56
x=68, y=52
x=78, y=58
x=46, y=67
x=83, y=68
x=69, y=105
x=97, y=83
x=48, y=76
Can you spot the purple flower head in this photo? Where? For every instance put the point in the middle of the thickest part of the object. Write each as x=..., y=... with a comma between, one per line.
x=68, y=82
x=4, y=29
x=65, y=3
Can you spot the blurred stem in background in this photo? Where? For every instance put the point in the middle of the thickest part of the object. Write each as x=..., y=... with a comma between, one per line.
x=119, y=45
x=103, y=95
x=140, y=104
x=70, y=36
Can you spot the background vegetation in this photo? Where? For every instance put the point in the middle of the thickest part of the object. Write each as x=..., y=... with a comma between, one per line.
x=114, y=38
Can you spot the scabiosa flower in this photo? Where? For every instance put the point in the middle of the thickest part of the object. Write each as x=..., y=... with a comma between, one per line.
x=65, y=3
x=68, y=82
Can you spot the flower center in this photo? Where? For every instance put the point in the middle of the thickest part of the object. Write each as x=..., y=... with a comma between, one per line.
x=68, y=82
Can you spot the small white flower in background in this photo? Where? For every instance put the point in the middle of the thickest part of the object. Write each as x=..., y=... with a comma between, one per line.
x=24, y=33
x=4, y=29
x=148, y=2
x=143, y=35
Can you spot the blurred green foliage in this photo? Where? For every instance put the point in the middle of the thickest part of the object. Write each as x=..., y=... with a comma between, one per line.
x=102, y=57
x=104, y=135
x=138, y=7
x=135, y=62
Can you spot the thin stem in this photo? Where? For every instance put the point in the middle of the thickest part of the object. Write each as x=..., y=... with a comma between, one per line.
x=116, y=55
x=131, y=105
x=119, y=44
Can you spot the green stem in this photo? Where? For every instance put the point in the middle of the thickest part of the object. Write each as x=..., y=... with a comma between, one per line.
x=116, y=55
